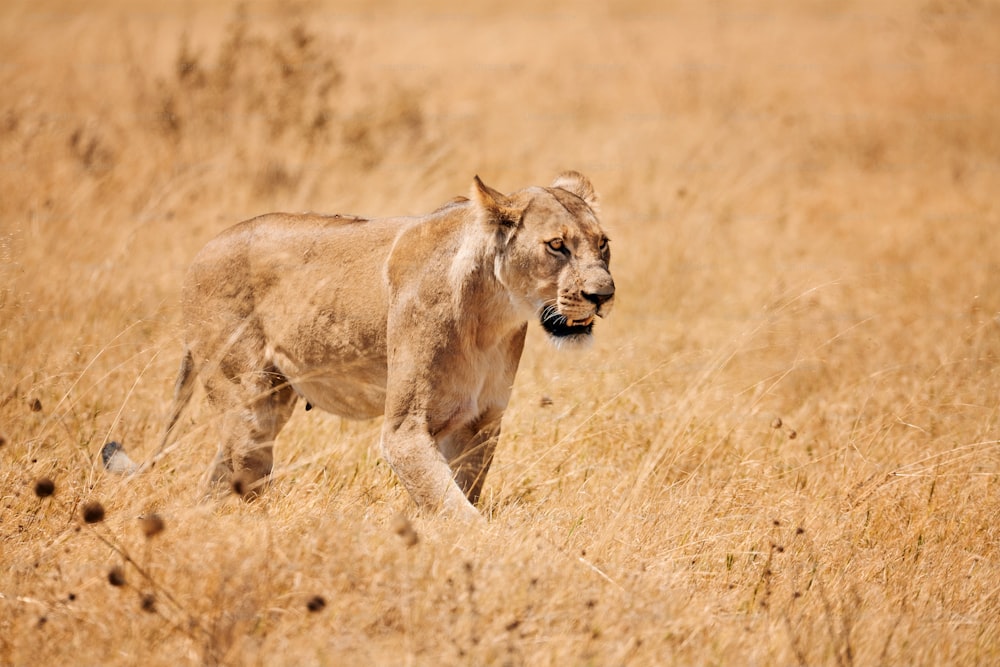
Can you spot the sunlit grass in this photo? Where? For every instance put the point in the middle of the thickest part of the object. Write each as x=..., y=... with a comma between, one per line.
x=783, y=448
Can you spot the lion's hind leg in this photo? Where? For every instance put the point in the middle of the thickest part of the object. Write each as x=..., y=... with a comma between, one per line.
x=255, y=406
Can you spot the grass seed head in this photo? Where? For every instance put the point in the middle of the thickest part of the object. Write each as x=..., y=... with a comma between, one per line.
x=93, y=512
x=148, y=603
x=35, y=404
x=44, y=487
x=402, y=527
x=316, y=603
x=152, y=525
x=116, y=576
x=776, y=423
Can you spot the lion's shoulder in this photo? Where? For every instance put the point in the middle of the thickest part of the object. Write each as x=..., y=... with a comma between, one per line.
x=425, y=245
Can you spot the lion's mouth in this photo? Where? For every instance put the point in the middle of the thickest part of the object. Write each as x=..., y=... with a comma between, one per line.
x=561, y=326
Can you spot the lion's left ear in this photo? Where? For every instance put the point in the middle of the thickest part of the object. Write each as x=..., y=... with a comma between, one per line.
x=578, y=184
x=498, y=207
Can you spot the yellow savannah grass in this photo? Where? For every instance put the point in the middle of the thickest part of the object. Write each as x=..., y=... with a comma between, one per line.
x=783, y=448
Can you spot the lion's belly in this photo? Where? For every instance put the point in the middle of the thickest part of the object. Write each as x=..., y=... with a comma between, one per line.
x=355, y=390
x=352, y=399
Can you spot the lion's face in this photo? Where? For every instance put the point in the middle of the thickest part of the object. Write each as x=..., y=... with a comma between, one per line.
x=556, y=258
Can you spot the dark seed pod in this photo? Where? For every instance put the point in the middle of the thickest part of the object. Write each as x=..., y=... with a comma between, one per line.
x=152, y=524
x=93, y=512
x=116, y=576
x=44, y=487
x=402, y=527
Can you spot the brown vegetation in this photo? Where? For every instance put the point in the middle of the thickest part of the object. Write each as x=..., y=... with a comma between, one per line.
x=784, y=447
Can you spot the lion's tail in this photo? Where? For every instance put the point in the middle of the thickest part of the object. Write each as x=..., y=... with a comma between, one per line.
x=115, y=459
x=183, y=389
x=113, y=455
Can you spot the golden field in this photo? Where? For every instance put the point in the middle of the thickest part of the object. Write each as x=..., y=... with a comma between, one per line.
x=783, y=448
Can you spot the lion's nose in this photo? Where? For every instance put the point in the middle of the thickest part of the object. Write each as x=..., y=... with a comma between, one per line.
x=599, y=294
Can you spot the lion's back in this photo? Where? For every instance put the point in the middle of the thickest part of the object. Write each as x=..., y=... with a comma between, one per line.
x=291, y=281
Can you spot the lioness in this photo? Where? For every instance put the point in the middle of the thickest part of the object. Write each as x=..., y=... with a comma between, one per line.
x=420, y=319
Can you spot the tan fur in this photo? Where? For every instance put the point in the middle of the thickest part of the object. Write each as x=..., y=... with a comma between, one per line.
x=421, y=319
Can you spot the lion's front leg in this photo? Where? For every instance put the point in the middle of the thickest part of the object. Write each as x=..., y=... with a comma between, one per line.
x=415, y=458
x=469, y=453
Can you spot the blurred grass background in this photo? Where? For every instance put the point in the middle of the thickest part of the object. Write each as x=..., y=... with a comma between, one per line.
x=802, y=204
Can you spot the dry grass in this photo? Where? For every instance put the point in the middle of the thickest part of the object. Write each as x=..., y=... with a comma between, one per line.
x=802, y=200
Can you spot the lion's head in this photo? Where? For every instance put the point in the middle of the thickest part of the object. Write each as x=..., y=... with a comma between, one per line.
x=554, y=255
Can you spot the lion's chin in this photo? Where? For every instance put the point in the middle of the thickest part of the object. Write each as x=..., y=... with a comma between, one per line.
x=566, y=333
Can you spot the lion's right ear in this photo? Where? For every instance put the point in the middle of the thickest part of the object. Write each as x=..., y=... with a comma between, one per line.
x=578, y=184
x=498, y=207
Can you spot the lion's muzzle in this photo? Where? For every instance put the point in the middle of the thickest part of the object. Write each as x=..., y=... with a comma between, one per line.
x=559, y=326
x=600, y=292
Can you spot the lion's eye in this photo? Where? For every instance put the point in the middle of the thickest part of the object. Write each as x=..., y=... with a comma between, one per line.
x=604, y=245
x=557, y=245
